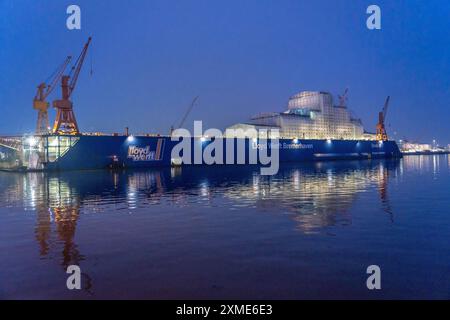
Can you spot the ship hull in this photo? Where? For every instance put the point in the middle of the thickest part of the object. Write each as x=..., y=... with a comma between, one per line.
x=101, y=152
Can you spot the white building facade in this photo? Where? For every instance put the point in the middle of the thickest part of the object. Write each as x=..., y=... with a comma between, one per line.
x=310, y=115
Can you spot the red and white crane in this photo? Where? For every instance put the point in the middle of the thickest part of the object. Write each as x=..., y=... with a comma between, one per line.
x=40, y=100
x=381, y=129
x=65, y=122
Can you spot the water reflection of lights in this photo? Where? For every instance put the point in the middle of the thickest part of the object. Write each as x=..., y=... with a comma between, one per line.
x=314, y=195
x=175, y=171
x=204, y=189
x=144, y=187
x=425, y=162
x=435, y=164
x=132, y=198
x=315, y=200
x=330, y=177
x=116, y=180
x=296, y=180
x=255, y=183
x=57, y=208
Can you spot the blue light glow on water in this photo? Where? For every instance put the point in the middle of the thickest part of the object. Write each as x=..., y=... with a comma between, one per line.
x=227, y=232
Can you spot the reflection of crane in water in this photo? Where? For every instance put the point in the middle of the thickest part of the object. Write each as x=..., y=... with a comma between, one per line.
x=66, y=221
x=61, y=207
x=383, y=180
x=43, y=229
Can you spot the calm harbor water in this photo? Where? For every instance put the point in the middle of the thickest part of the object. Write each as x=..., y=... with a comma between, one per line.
x=210, y=232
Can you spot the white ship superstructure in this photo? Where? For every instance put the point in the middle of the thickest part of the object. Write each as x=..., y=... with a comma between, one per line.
x=310, y=115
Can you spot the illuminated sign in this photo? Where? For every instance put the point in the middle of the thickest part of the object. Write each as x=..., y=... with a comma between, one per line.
x=296, y=146
x=278, y=145
x=141, y=154
x=136, y=153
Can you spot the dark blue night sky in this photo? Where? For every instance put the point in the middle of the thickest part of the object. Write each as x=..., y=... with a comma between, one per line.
x=150, y=58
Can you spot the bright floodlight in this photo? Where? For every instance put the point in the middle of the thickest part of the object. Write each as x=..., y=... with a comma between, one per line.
x=295, y=140
x=32, y=141
x=130, y=139
x=328, y=140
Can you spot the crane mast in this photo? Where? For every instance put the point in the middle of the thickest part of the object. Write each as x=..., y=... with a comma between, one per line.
x=343, y=98
x=381, y=129
x=40, y=103
x=77, y=67
x=65, y=122
x=185, y=115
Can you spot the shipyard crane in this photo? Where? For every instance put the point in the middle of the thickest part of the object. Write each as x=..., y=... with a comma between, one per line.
x=381, y=130
x=185, y=115
x=343, y=98
x=40, y=100
x=65, y=122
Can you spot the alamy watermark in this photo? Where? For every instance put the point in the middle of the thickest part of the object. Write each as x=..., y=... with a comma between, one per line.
x=236, y=146
x=373, y=22
x=374, y=280
x=73, y=21
x=74, y=280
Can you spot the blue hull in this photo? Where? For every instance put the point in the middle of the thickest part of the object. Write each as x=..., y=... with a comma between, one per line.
x=100, y=152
